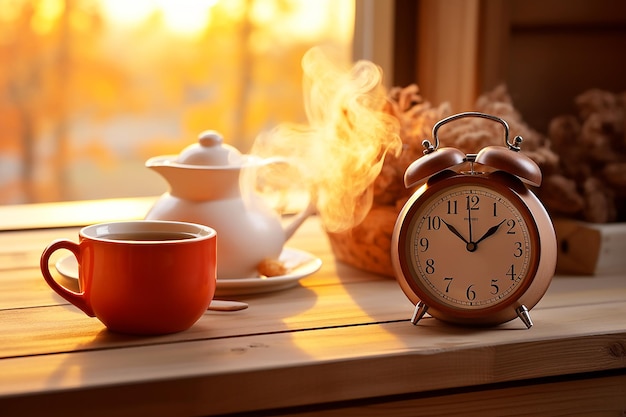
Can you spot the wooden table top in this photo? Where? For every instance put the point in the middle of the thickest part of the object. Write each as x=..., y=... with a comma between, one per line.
x=338, y=338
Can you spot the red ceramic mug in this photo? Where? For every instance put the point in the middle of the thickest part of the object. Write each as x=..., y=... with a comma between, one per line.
x=141, y=277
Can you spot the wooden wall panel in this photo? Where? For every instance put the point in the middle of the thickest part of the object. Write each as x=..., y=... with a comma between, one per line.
x=546, y=51
x=555, y=50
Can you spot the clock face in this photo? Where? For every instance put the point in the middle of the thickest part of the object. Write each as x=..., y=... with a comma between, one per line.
x=469, y=246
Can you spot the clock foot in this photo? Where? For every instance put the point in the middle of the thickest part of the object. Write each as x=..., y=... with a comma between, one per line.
x=524, y=315
x=420, y=310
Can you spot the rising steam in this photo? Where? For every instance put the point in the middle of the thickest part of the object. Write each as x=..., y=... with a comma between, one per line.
x=339, y=153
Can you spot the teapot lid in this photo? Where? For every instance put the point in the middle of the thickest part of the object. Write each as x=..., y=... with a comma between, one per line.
x=211, y=151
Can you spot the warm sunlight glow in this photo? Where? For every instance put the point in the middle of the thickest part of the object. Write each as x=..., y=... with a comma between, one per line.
x=305, y=21
x=46, y=15
x=9, y=11
x=326, y=347
x=184, y=17
x=128, y=12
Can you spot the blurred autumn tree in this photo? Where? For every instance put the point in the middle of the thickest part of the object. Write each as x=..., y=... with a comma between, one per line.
x=38, y=73
x=86, y=95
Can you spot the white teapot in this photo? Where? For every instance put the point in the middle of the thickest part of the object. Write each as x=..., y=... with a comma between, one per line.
x=205, y=188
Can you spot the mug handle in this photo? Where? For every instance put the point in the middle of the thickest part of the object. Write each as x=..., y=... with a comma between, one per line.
x=78, y=299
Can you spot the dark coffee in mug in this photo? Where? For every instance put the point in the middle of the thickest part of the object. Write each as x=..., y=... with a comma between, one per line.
x=148, y=236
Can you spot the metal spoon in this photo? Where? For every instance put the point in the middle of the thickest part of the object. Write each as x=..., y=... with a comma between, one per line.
x=223, y=305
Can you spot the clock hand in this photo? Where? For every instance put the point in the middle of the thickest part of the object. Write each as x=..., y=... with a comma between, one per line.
x=489, y=232
x=469, y=222
x=456, y=232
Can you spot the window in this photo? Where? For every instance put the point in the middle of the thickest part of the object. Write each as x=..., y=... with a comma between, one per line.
x=90, y=89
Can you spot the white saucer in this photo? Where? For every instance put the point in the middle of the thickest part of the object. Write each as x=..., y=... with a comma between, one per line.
x=298, y=263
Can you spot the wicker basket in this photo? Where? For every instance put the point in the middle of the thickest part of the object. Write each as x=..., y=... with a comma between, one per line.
x=367, y=246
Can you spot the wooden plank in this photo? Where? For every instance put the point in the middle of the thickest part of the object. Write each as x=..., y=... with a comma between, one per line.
x=25, y=288
x=325, y=365
x=493, y=45
x=62, y=328
x=22, y=249
x=322, y=300
x=73, y=213
x=447, y=58
x=58, y=329
x=588, y=396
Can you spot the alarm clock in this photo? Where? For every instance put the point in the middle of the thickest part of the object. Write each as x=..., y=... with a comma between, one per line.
x=473, y=245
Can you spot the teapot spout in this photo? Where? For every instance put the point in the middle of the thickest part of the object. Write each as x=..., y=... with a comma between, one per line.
x=297, y=221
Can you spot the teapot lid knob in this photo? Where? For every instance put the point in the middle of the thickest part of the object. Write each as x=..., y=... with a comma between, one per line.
x=210, y=138
x=210, y=151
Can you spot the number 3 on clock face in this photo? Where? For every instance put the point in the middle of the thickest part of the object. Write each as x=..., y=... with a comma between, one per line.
x=468, y=249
